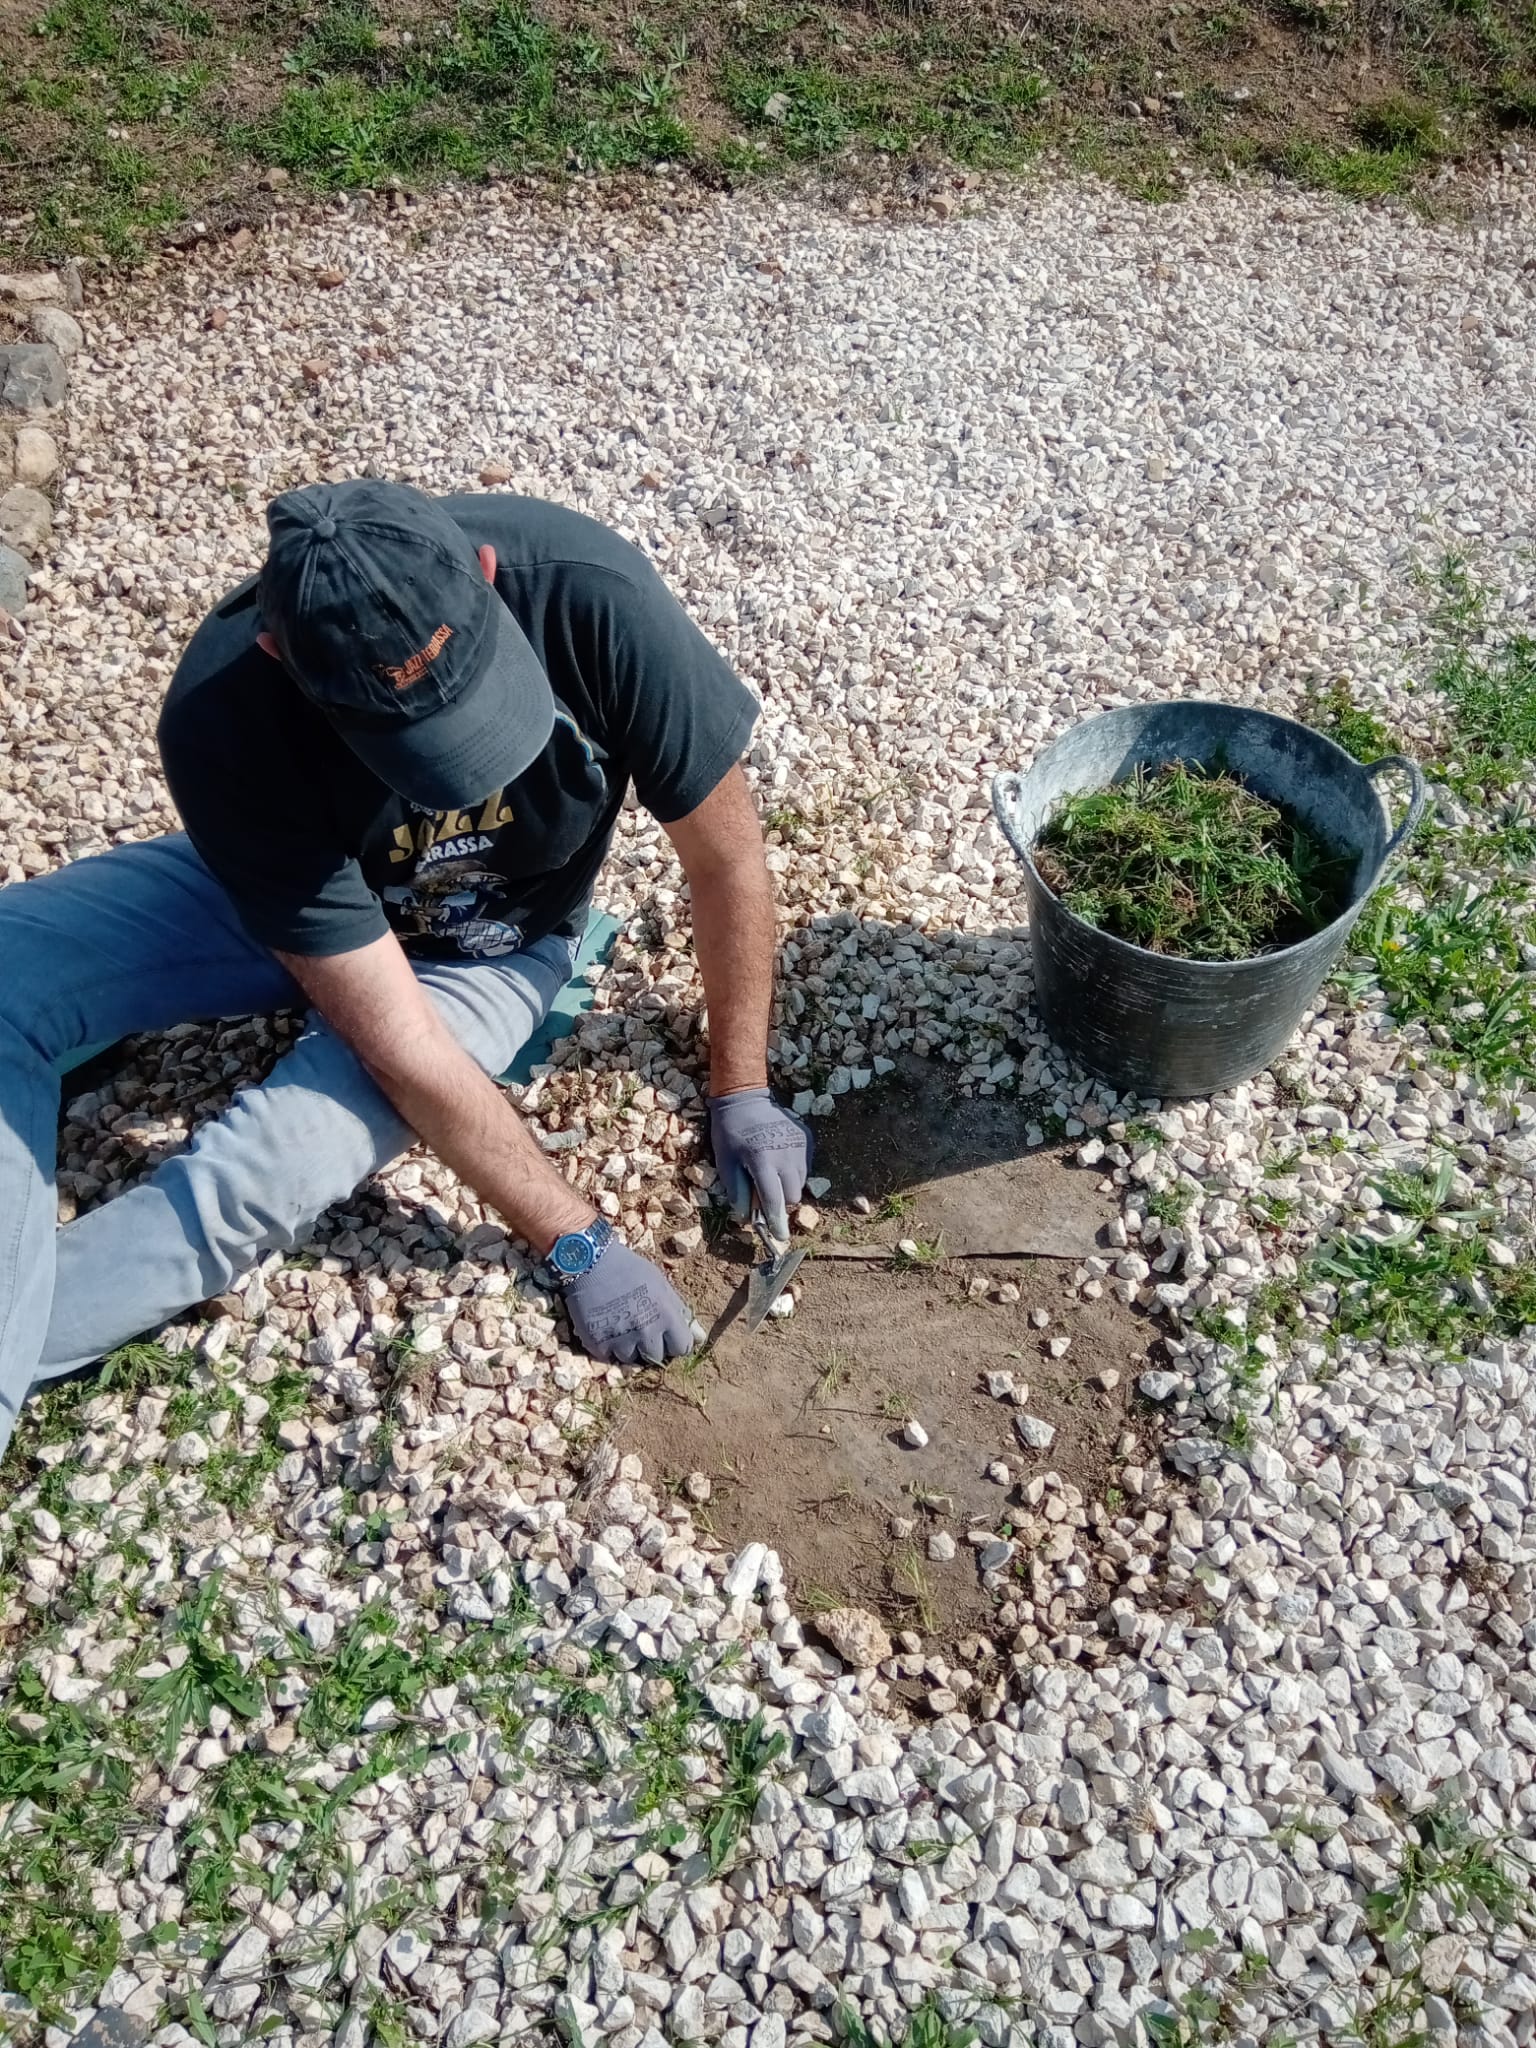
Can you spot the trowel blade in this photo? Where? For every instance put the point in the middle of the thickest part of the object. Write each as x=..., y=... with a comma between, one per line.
x=769, y=1279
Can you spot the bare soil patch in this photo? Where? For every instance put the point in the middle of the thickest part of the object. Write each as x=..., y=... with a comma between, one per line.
x=800, y=1428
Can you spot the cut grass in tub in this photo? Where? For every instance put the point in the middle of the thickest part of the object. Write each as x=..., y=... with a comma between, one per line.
x=1189, y=861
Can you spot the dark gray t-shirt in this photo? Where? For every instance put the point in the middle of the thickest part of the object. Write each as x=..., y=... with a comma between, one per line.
x=321, y=857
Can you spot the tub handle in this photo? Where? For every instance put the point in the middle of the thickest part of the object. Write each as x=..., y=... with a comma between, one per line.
x=1418, y=802
x=1007, y=787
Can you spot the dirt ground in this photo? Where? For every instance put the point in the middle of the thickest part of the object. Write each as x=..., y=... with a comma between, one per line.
x=800, y=1428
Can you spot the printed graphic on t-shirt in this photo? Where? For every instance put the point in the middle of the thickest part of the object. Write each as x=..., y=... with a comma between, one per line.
x=453, y=897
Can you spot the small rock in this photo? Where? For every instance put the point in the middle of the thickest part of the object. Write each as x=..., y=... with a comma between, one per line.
x=495, y=473
x=998, y=1473
x=316, y=370
x=1159, y=1386
x=914, y=1434
x=1033, y=1432
x=13, y=581
x=37, y=457
x=406, y=1952
x=783, y=1304
x=476, y=2023
x=26, y=519
x=857, y=1637
x=218, y=319
x=698, y=1486
x=328, y=280
x=32, y=377
x=32, y=288
x=808, y=1216
x=62, y=330
x=1058, y=1347
x=245, y=1957
x=863, y=1206
x=740, y=1581
x=1441, y=1962
x=941, y=1547
x=1106, y=1381
x=1040, y=1318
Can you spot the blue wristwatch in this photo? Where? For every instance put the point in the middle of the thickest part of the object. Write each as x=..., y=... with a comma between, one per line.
x=578, y=1251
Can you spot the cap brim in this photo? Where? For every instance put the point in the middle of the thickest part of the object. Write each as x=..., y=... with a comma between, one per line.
x=469, y=749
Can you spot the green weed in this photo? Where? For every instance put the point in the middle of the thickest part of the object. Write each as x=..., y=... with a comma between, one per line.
x=1448, y=1862
x=134, y=1368
x=749, y=1752
x=1453, y=964
x=917, y=1251
x=833, y=1375
x=1401, y=127
x=67, y=1778
x=926, y=2027
x=250, y=1791
x=1352, y=173
x=665, y=1739
x=914, y=1585
x=209, y=1676
x=1335, y=712
x=1492, y=695
x=1420, y=1285
x=368, y=1664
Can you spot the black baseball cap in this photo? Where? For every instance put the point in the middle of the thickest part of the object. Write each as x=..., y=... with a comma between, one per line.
x=383, y=617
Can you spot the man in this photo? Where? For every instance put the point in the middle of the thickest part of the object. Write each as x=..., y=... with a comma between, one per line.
x=399, y=753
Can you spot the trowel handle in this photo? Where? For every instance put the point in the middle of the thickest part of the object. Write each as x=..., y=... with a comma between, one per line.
x=774, y=1248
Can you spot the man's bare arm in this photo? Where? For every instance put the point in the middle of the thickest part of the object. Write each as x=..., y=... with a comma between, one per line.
x=734, y=929
x=373, y=1000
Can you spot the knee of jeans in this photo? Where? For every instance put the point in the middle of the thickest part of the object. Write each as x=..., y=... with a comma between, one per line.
x=22, y=1033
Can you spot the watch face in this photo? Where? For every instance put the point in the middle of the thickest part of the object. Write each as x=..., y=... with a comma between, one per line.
x=573, y=1254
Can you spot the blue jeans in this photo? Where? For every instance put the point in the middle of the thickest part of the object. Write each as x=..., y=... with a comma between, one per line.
x=140, y=939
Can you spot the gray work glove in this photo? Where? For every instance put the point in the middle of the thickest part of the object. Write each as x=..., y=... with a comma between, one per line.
x=758, y=1144
x=626, y=1309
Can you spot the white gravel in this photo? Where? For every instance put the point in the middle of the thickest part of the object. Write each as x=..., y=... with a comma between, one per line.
x=938, y=491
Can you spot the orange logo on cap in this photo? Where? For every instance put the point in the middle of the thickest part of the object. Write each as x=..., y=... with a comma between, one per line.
x=415, y=666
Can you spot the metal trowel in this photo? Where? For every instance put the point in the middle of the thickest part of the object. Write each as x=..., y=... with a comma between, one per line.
x=772, y=1273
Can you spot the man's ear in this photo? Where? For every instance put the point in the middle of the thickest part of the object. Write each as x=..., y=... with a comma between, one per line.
x=268, y=645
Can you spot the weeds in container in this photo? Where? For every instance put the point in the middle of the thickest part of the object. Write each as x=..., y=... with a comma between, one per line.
x=1191, y=862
